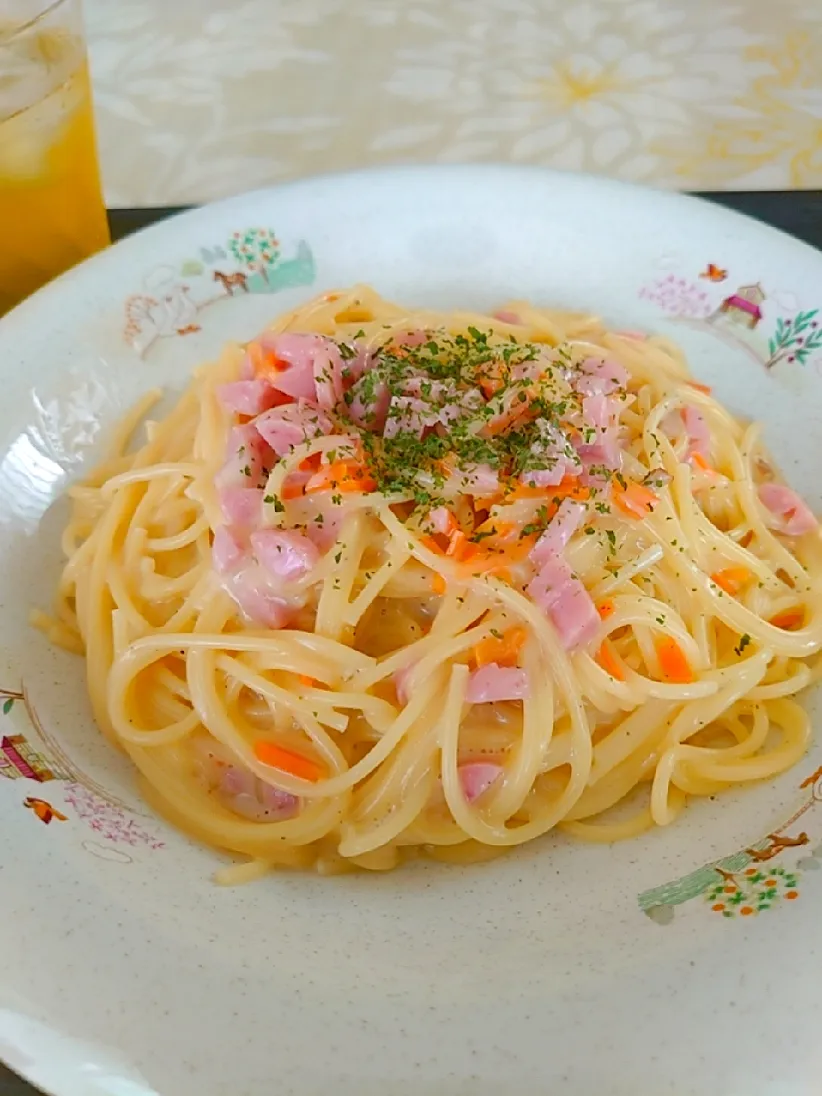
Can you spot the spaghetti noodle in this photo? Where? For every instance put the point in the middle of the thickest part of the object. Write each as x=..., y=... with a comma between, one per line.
x=386, y=582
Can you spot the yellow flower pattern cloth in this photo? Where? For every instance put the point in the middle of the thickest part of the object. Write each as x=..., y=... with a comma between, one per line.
x=199, y=100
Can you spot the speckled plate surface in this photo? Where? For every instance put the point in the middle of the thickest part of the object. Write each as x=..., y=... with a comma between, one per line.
x=679, y=963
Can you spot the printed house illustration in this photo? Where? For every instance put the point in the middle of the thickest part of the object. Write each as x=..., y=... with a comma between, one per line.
x=19, y=759
x=742, y=307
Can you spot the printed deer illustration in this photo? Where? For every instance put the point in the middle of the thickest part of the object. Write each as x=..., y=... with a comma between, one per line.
x=778, y=843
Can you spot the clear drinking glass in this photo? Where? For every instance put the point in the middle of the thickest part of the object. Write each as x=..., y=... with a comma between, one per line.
x=52, y=213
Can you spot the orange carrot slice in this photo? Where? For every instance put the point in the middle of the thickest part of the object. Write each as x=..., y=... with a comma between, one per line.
x=569, y=488
x=265, y=362
x=343, y=477
x=502, y=649
x=635, y=500
x=278, y=757
x=701, y=463
x=433, y=545
x=438, y=584
x=788, y=619
x=673, y=662
x=607, y=658
x=490, y=386
x=606, y=608
x=291, y=491
x=706, y=388
x=312, y=463
x=732, y=579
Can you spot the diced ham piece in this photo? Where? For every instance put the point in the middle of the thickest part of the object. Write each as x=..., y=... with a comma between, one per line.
x=564, y=599
x=368, y=404
x=409, y=414
x=699, y=435
x=323, y=519
x=285, y=427
x=559, y=456
x=480, y=480
x=609, y=374
x=476, y=777
x=226, y=550
x=252, y=589
x=302, y=360
x=328, y=378
x=600, y=437
x=241, y=506
x=248, y=459
x=249, y=397
x=284, y=554
x=598, y=411
x=587, y=385
x=441, y=520
x=239, y=789
x=251, y=798
x=401, y=678
x=491, y=683
x=410, y=338
x=788, y=513
x=359, y=361
x=264, y=807
x=563, y=525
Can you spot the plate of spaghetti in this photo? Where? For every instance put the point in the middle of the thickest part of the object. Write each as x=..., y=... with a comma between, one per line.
x=438, y=556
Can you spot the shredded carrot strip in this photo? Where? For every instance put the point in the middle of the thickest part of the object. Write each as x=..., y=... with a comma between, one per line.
x=634, y=499
x=490, y=386
x=672, y=661
x=343, y=476
x=732, y=579
x=309, y=682
x=789, y=619
x=433, y=545
x=312, y=463
x=706, y=388
x=438, y=584
x=453, y=524
x=606, y=607
x=570, y=488
x=288, y=762
x=701, y=463
x=607, y=658
x=263, y=361
x=503, y=649
x=292, y=491
x=457, y=544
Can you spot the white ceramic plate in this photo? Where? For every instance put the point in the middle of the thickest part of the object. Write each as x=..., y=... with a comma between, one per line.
x=563, y=968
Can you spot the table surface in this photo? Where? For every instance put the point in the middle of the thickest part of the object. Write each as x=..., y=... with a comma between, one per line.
x=797, y=212
x=196, y=99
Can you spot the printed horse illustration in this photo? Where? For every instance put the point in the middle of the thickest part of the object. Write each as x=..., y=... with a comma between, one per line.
x=229, y=281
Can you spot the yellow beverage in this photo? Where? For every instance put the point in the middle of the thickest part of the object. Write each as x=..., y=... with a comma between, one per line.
x=52, y=213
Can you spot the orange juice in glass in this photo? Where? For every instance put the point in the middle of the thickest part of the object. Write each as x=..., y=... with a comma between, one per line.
x=52, y=213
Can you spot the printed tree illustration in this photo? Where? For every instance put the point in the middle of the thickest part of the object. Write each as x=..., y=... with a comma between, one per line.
x=8, y=697
x=753, y=891
x=258, y=249
x=796, y=339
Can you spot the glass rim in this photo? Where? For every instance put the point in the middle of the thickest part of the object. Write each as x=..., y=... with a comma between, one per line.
x=50, y=6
